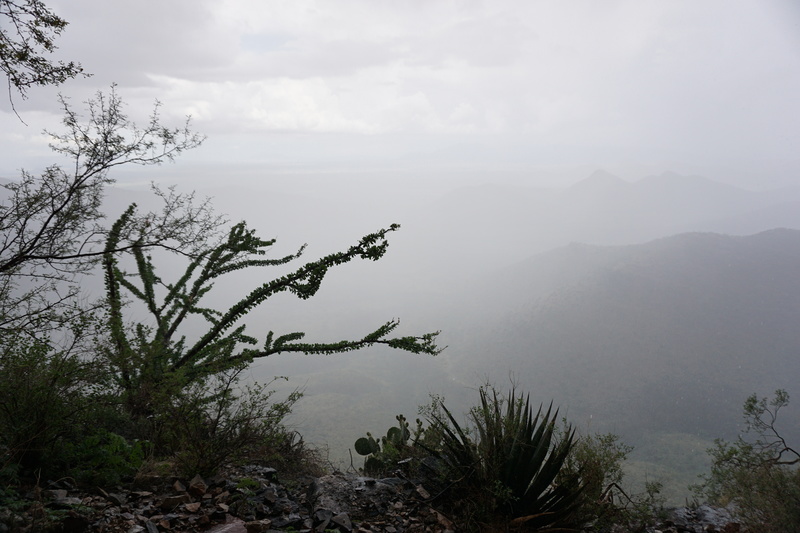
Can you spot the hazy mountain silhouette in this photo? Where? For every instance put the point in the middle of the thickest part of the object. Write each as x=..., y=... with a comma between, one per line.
x=671, y=335
x=487, y=226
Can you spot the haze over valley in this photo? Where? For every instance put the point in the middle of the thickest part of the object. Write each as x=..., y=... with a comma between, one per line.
x=599, y=201
x=649, y=308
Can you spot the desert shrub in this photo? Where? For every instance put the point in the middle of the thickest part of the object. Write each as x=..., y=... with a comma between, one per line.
x=286, y=451
x=103, y=458
x=758, y=472
x=507, y=462
x=219, y=421
x=598, y=459
x=47, y=397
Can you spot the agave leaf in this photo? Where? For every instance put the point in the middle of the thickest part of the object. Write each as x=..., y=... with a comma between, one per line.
x=515, y=451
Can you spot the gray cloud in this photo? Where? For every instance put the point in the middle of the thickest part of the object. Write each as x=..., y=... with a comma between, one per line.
x=705, y=82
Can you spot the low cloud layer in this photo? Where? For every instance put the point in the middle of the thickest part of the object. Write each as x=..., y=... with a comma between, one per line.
x=709, y=82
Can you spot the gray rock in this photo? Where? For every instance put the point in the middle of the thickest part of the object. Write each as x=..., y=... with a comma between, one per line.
x=283, y=522
x=258, y=526
x=702, y=518
x=717, y=516
x=263, y=471
x=353, y=495
x=343, y=521
x=58, y=494
x=322, y=517
x=64, y=503
x=117, y=499
x=171, y=502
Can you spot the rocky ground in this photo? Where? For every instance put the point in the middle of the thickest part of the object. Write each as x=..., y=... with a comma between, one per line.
x=253, y=500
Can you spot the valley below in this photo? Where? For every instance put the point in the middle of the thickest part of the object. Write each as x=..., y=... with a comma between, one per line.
x=651, y=323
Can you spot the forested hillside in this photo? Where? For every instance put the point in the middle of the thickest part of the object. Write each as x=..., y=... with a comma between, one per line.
x=667, y=336
x=658, y=342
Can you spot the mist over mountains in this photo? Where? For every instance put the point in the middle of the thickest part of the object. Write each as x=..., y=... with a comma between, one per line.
x=651, y=308
x=671, y=335
x=646, y=308
x=503, y=224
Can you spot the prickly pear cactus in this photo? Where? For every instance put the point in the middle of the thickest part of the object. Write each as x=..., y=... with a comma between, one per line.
x=382, y=455
x=367, y=445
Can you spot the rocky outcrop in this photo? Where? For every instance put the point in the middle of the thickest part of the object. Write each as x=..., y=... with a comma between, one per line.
x=252, y=500
x=247, y=500
x=701, y=519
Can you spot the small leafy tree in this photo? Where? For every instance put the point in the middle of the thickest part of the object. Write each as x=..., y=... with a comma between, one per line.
x=43, y=399
x=51, y=225
x=760, y=475
x=27, y=36
x=598, y=460
x=51, y=234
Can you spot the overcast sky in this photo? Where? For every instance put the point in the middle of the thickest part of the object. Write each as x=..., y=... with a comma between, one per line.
x=509, y=85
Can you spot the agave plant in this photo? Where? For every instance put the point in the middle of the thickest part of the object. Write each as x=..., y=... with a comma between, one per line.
x=515, y=456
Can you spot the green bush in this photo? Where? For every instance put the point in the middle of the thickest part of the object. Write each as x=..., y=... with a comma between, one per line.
x=218, y=422
x=760, y=475
x=103, y=458
x=508, y=461
x=47, y=397
x=598, y=460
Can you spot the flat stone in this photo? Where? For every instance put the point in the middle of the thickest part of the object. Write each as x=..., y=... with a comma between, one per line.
x=65, y=503
x=193, y=507
x=230, y=526
x=171, y=502
x=343, y=521
x=270, y=495
x=117, y=498
x=258, y=526
x=322, y=518
x=286, y=521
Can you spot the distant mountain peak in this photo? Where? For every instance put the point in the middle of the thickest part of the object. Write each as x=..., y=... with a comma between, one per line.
x=600, y=179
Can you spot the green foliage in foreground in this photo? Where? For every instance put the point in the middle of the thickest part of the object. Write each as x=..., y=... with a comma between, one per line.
x=509, y=461
x=153, y=354
x=47, y=396
x=759, y=474
x=599, y=461
x=77, y=376
x=104, y=458
x=222, y=422
x=383, y=454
